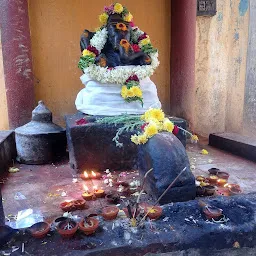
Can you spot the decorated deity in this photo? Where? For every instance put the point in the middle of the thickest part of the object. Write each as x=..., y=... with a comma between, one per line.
x=117, y=61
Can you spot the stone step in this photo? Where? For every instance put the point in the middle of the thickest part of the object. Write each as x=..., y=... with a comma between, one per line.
x=235, y=143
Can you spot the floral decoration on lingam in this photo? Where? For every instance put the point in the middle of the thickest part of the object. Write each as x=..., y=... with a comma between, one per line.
x=134, y=44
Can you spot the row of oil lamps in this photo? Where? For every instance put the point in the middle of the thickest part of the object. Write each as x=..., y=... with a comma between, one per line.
x=207, y=186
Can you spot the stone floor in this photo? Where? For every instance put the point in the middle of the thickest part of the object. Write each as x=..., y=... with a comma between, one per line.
x=43, y=186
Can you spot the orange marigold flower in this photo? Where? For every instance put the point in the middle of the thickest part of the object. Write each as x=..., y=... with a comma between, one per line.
x=125, y=44
x=121, y=26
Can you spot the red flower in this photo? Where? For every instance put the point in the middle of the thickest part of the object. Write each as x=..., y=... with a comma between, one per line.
x=93, y=49
x=132, y=78
x=143, y=36
x=136, y=48
x=132, y=24
x=110, y=68
x=81, y=121
x=175, y=130
x=143, y=126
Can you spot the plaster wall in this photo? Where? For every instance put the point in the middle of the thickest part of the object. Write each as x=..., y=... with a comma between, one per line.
x=56, y=27
x=4, y=124
x=221, y=50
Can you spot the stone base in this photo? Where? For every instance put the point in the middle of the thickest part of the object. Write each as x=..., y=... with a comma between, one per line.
x=91, y=145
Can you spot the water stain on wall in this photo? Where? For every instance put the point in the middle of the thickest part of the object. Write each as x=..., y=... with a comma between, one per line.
x=243, y=7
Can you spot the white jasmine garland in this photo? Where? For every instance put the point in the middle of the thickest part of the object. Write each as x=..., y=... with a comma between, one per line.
x=99, y=39
x=120, y=74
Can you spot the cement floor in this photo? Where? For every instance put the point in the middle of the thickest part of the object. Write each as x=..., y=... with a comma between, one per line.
x=43, y=186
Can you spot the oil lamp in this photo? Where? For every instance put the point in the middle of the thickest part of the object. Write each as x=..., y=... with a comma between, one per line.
x=87, y=195
x=85, y=176
x=98, y=192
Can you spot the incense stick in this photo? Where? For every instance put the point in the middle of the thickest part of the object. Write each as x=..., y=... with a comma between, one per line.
x=163, y=194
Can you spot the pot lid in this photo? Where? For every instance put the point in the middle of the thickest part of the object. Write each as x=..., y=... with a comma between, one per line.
x=41, y=122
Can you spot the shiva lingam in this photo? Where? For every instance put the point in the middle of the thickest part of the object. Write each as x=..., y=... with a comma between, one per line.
x=88, y=225
x=67, y=228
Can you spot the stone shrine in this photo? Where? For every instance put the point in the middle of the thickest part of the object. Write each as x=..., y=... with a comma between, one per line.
x=120, y=123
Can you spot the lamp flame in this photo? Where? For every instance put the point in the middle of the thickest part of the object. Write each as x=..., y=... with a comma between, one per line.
x=86, y=188
x=95, y=187
x=86, y=174
x=94, y=174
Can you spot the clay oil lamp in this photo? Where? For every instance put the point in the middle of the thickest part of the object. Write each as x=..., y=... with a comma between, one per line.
x=80, y=204
x=223, y=175
x=200, y=191
x=87, y=196
x=110, y=212
x=95, y=175
x=213, y=179
x=85, y=176
x=154, y=212
x=209, y=190
x=234, y=189
x=223, y=191
x=89, y=225
x=221, y=182
x=39, y=230
x=112, y=197
x=67, y=228
x=213, y=171
x=212, y=212
x=67, y=206
x=200, y=178
x=98, y=192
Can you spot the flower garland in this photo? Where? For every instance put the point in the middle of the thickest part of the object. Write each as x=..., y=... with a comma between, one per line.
x=123, y=75
x=148, y=125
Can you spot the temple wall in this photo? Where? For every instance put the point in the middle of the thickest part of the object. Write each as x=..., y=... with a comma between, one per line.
x=4, y=124
x=221, y=51
x=56, y=27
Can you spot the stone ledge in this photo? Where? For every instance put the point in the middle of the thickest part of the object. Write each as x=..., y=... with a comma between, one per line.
x=234, y=143
x=7, y=149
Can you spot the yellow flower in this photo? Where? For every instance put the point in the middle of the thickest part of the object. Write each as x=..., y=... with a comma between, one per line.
x=142, y=139
x=144, y=41
x=168, y=125
x=204, y=152
x=194, y=138
x=88, y=53
x=134, y=139
x=142, y=117
x=156, y=113
x=137, y=91
x=128, y=17
x=130, y=93
x=118, y=8
x=103, y=18
x=124, y=92
x=151, y=130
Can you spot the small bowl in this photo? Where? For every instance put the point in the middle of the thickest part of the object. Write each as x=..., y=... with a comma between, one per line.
x=200, y=191
x=223, y=175
x=87, y=196
x=67, y=206
x=113, y=198
x=235, y=191
x=155, y=212
x=89, y=229
x=200, y=178
x=110, y=212
x=222, y=191
x=209, y=190
x=213, y=171
x=99, y=193
x=213, y=179
x=67, y=233
x=40, y=229
x=80, y=204
x=212, y=212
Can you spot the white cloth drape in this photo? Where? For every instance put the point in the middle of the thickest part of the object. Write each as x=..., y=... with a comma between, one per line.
x=105, y=99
